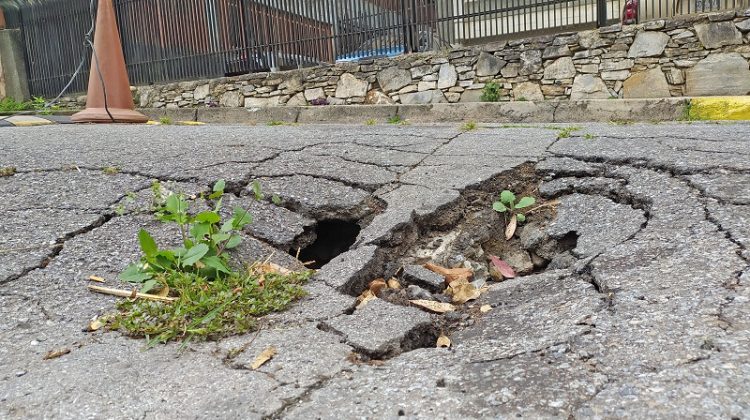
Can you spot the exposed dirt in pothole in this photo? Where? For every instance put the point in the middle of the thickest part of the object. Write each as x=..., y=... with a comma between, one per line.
x=464, y=236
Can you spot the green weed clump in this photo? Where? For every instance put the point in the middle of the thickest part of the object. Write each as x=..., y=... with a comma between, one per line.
x=38, y=103
x=469, y=126
x=491, y=92
x=207, y=297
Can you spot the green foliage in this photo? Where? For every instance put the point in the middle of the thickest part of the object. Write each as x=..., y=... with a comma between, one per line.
x=165, y=121
x=38, y=104
x=469, y=126
x=275, y=199
x=208, y=309
x=257, y=192
x=9, y=104
x=371, y=121
x=491, y=92
x=111, y=170
x=211, y=300
x=396, y=119
x=204, y=242
x=507, y=204
x=565, y=133
x=589, y=136
x=275, y=123
x=7, y=171
x=687, y=112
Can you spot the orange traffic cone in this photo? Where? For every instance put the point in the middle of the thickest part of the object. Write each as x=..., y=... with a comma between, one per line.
x=111, y=63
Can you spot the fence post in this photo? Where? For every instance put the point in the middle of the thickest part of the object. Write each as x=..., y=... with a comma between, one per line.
x=13, y=77
x=601, y=13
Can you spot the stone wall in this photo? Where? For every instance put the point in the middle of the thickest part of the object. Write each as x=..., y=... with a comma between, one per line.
x=693, y=55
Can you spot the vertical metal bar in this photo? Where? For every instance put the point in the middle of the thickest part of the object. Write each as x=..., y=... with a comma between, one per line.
x=601, y=8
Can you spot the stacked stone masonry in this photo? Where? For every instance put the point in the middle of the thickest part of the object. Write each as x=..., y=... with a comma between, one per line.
x=691, y=55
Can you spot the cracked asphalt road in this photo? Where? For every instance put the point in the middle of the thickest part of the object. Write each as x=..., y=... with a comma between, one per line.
x=653, y=319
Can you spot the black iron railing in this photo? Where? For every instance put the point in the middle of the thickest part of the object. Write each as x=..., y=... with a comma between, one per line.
x=172, y=40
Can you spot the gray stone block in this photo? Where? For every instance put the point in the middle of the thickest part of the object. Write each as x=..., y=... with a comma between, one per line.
x=422, y=277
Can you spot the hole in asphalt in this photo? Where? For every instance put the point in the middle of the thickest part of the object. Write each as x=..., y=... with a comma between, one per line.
x=332, y=238
x=464, y=235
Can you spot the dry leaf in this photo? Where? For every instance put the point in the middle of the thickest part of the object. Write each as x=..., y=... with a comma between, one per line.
x=432, y=306
x=269, y=267
x=264, y=357
x=54, y=354
x=364, y=298
x=510, y=230
x=464, y=292
x=94, y=325
x=443, y=342
x=163, y=292
x=394, y=284
x=450, y=274
x=377, y=285
x=485, y=308
x=97, y=279
x=503, y=267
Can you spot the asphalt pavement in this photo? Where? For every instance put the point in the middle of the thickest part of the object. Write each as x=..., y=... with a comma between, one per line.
x=650, y=320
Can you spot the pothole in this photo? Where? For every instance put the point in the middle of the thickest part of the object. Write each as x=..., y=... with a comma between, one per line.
x=462, y=238
x=332, y=238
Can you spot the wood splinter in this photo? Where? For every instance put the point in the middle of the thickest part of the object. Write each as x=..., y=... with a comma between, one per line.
x=130, y=294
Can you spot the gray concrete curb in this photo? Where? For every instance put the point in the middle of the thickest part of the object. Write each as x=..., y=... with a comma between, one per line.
x=595, y=110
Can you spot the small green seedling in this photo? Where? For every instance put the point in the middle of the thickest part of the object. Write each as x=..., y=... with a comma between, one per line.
x=111, y=170
x=276, y=123
x=507, y=204
x=371, y=121
x=589, y=136
x=257, y=191
x=469, y=126
x=276, y=200
x=165, y=121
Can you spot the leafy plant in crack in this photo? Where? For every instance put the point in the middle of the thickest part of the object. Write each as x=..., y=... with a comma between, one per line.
x=396, y=119
x=204, y=242
x=165, y=121
x=7, y=171
x=127, y=201
x=111, y=170
x=257, y=191
x=158, y=195
x=371, y=121
x=206, y=297
x=512, y=210
x=276, y=200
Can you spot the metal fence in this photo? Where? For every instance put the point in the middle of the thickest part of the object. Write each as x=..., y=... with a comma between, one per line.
x=172, y=40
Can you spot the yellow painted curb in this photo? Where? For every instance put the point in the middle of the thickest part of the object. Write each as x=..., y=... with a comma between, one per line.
x=720, y=108
x=190, y=123
x=31, y=123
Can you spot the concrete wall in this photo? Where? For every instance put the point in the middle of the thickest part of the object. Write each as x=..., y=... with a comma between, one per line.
x=13, y=81
x=694, y=55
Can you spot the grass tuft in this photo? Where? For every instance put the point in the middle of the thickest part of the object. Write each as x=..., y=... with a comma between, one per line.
x=209, y=309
